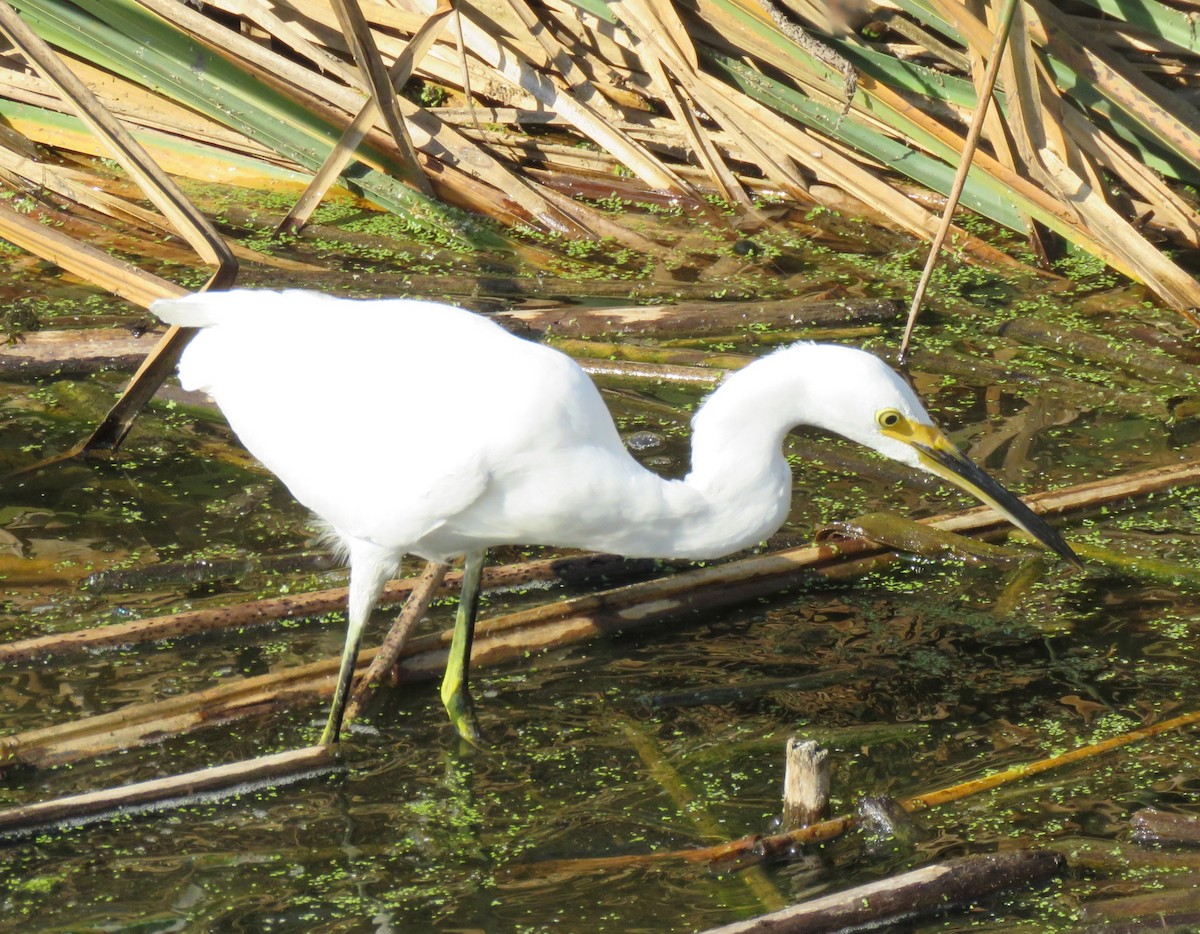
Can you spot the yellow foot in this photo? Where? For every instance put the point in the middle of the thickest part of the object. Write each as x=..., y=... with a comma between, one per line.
x=462, y=715
x=330, y=735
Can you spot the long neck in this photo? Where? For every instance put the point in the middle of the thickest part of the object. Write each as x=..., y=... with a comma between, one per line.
x=738, y=491
x=738, y=467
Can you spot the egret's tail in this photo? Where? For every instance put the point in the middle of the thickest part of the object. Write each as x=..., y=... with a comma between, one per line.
x=234, y=326
x=204, y=309
x=190, y=311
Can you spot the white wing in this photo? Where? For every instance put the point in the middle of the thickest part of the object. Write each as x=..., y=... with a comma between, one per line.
x=387, y=419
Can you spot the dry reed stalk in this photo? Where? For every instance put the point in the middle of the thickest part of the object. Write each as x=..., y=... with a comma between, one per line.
x=970, y=142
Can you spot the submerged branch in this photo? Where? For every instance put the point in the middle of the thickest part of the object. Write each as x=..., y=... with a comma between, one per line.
x=72, y=353
x=296, y=606
x=176, y=790
x=754, y=849
x=956, y=883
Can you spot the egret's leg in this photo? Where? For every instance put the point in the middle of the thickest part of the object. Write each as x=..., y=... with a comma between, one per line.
x=455, y=695
x=370, y=569
x=415, y=606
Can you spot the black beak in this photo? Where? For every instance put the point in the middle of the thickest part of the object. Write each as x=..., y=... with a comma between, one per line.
x=944, y=459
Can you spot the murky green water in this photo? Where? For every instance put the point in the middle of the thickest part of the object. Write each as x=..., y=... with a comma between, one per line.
x=632, y=744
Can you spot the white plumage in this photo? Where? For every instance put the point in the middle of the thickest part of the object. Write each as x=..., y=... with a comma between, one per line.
x=415, y=427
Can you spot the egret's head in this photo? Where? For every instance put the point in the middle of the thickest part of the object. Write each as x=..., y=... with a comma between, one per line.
x=859, y=397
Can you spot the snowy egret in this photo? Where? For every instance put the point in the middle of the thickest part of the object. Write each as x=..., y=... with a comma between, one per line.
x=517, y=446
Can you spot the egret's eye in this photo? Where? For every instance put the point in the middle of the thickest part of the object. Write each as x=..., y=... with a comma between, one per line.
x=888, y=418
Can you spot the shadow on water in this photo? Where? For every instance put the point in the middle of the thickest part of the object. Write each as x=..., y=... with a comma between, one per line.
x=918, y=675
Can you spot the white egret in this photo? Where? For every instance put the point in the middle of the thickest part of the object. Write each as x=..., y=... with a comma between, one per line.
x=420, y=428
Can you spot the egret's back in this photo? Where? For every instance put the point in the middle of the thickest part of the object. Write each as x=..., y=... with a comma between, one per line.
x=357, y=406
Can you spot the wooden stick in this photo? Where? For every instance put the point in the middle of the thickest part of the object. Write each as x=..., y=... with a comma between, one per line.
x=344, y=149
x=683, y=357
x=397, y=638
x=1169, y=905
x=1152, y=826
x=970, y=142
x=84, y=260
x=199, y=232
x=159, y=187
x=697, y=317
x=502, y=638
x=357, y=33
x=1083, y=496
x=805, y=783
x=72, y=353
x=928, y=890
x=222, y=780
x=638, y=372
x=294, y=606
x=1141, y=361
x=1111, y=857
